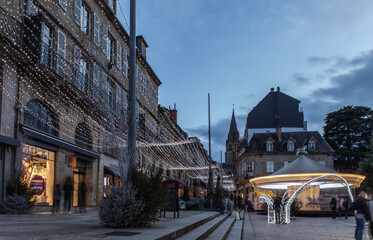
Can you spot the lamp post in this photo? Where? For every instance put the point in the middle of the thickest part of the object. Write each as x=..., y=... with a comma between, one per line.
x=132, y=93
x=210, y=190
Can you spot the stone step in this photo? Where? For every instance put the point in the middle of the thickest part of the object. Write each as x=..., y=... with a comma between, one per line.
x=221, y=232
x=204, y=230
x=237, y=228
x=179, y=227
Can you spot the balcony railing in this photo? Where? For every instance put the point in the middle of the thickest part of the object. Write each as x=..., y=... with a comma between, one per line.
x=10, y=27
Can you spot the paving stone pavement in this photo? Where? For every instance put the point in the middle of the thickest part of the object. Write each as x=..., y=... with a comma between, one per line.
x=80, y=226
x=302, y=228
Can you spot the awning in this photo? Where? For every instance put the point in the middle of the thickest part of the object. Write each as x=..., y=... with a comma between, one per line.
x=50, y=140
x=112, y=171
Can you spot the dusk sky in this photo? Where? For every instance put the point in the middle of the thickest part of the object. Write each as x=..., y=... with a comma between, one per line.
x=319, y=52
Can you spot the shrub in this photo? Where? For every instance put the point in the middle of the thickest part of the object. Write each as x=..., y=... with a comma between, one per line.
x=121, y=206
x=14, y=204
x=153, y=192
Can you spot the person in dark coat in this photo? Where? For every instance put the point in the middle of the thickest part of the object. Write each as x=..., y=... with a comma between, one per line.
x=277, y=205
x=56, y=198
x=239, y=201
x=346, y=205
x=362, y=214
x=68, y=190
x=333, y=206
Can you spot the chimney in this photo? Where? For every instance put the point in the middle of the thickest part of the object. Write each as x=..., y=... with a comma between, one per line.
x=272, y=89
x=173, y=113
x=279, y=133
x=278, y=89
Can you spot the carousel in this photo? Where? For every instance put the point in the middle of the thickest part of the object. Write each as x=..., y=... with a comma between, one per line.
x=307, y=182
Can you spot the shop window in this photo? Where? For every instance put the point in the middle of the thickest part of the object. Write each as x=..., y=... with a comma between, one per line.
x=110, y=181
x=38, y=164
x=83, y=136
x=39, y=117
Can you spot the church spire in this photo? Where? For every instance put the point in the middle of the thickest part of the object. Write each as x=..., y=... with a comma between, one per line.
x=233, y=134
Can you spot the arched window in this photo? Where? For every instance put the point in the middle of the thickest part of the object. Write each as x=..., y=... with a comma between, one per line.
x=83, y=136
x=39, y=117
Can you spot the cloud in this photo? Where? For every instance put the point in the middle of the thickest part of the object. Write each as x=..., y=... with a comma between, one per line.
x=352, y=87
x=318, y=60
x=219, y=134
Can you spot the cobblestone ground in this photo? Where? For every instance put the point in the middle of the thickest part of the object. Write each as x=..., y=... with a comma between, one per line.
x=303, y=228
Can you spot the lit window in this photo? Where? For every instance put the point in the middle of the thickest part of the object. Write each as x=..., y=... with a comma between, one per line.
x=270, y=166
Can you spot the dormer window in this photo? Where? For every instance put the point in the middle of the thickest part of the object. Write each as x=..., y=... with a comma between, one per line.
x=290, y=145
x=269, y=145
x=312, y=144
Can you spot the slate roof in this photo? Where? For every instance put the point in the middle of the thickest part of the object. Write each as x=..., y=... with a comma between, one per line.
x=303, y=165
x=258, y=142
x=275, y=109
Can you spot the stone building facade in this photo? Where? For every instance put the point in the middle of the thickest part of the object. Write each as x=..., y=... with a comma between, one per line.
x=64, y=90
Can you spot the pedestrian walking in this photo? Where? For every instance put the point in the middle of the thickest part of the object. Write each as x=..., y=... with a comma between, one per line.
x=277, y=205
x=239, y=201
x=68, y=189
x=56, y=198
x=333, y=206
x=247, y=200
x=236, y=212
x=346, y=206
x=362, y=214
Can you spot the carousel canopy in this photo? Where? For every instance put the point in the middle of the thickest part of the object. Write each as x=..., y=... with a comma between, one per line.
x=303, y=165
x=302, y=170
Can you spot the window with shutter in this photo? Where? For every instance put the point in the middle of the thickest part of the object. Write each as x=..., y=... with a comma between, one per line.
x=96, y=32
x=46, y=45
x=77, y=11
x=76, y=69
x=118, y=96
x=85, y=20
x=63, y=4
x=125, y=63
x=61, y=53
x=104, y=41
x=96, y=83
x=119, y=56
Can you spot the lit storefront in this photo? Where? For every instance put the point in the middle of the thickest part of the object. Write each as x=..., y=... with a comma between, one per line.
x=111, y=179
x=39, y=165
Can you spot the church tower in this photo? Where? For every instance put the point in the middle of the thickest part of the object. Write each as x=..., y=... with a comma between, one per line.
x=232, y=141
